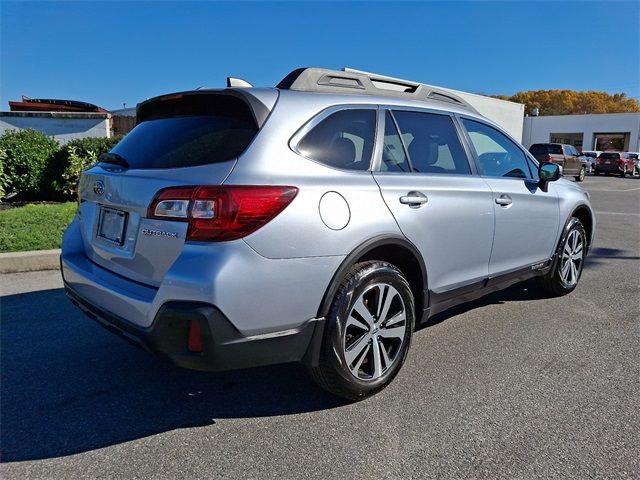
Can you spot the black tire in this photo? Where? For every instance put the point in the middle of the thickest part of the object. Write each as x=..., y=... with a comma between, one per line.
x=596, y=172
x=553, y=281
x=333, y=372
x=580, y=176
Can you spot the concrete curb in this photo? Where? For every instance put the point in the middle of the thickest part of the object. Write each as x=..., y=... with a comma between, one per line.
x=14, y=262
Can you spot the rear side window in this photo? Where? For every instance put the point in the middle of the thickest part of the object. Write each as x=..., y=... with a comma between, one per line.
x=545, y=149
x=342, y=140
x=432, y=143
x=497, y=155
x=196, y=130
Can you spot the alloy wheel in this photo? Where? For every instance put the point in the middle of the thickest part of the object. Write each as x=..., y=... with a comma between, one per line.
x=374, y=333
x=572, y=258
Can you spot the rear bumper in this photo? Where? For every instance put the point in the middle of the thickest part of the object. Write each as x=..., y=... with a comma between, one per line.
x=223, y=346
x=612, y=168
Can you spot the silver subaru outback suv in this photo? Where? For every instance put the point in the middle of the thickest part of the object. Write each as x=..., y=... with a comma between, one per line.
x=319, y=222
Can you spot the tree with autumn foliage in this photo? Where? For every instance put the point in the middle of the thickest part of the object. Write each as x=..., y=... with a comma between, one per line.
x=570, y=102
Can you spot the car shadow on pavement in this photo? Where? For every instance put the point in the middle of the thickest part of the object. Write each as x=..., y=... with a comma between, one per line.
x=519, y=292
x=600, y=255
x=68, y=386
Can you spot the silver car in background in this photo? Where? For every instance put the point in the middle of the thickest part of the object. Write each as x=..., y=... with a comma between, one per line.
x=590, y=156
x=319, y=222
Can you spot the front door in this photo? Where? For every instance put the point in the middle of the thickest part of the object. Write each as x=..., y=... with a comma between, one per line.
x=526, y=218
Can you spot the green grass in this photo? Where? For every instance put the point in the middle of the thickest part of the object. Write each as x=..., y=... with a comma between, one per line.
x=34, y=226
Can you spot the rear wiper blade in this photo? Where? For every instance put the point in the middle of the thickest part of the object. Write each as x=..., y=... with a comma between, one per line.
x=114, y=158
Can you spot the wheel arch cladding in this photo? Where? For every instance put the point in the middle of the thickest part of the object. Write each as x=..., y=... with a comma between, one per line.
x=583, y=214
x=392, y=249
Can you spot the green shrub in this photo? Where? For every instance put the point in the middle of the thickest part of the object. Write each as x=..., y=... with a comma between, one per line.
x=26, y=153
x=4, y=177
x=65, y=167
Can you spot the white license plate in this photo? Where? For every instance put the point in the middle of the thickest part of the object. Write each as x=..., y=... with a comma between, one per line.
x=112, y=225
x=607, y=162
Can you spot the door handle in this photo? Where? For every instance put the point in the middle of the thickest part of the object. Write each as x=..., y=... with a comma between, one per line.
x=504, y=200
x=414, y=199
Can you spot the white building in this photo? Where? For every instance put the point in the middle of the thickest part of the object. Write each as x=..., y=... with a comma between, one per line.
x=607, y=131
x=509, y=115
x=63, y=126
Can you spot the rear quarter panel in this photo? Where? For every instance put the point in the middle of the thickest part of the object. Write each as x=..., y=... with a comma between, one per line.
x=299, y=231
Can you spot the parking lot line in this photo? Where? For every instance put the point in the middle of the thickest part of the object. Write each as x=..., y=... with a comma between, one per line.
x=613, y=190
x=616, y=213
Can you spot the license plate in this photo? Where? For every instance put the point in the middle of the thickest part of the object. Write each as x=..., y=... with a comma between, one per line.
x=112, y=225
x=608, y=162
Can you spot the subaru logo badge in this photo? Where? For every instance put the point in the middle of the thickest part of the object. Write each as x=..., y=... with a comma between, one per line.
x=98, y=187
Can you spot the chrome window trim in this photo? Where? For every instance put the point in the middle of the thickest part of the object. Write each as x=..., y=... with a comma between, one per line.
x=319, y=117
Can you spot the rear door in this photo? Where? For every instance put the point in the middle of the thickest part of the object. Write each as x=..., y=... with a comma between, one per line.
x=428, y=184
x=526, y=218
x=179, y=140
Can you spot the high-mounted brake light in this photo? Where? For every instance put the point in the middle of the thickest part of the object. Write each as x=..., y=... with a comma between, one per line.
x=221, y=213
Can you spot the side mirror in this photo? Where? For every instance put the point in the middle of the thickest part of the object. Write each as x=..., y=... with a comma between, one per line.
x=548, y=172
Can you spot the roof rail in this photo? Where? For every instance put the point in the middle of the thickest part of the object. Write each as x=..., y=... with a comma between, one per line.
x=350, y=81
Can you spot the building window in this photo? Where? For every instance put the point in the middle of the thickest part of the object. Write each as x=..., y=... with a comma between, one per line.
x=574, y=139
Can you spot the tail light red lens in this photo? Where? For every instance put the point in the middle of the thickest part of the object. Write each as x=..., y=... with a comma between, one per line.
x=194, y=340
x=221, y=213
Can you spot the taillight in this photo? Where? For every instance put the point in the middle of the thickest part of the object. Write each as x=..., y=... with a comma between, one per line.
x=549, y=158
x=221, y=213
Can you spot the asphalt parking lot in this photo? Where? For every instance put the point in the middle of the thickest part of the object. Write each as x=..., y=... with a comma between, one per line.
x=515, y=385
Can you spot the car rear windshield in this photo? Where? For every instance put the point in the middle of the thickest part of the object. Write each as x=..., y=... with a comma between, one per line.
x=590, y=154
x=199, y=130
x=609, y=155
x=545, y=149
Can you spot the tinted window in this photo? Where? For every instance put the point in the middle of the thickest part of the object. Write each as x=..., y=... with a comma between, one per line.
x=394, y=158
x=545, y=149
x=610, y=155
x=497, y=155
x=432, y=143
x=343, y=140
x=186, y=133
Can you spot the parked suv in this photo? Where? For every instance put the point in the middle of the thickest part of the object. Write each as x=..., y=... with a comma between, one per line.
x=564, y=155
x=319, y=222
x=614, y=162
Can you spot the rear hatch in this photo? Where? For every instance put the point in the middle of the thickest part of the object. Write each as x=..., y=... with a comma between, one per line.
x=192, y=138
x=609, y=158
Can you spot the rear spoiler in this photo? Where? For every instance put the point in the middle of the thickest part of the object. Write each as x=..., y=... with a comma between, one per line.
x=201, y=102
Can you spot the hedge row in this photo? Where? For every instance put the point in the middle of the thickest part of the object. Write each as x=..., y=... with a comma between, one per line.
x=37, y=167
